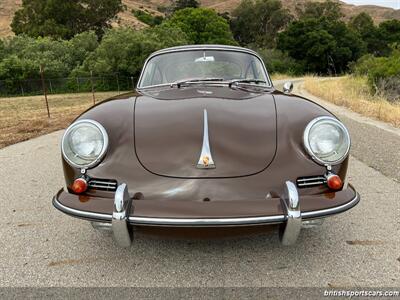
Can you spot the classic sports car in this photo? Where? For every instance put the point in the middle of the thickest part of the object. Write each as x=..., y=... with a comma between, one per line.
x=205, y=141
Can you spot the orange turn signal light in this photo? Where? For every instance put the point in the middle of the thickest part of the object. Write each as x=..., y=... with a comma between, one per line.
x=334, y=182
x=79, y=186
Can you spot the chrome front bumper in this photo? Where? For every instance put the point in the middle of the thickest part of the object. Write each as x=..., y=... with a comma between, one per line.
x=121, y=218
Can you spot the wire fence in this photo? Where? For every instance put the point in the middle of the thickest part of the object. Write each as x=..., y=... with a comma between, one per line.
x=67, y=85
x=31, y=87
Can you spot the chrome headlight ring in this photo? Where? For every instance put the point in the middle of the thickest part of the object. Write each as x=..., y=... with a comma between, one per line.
x=69, y=152
x=342, y=131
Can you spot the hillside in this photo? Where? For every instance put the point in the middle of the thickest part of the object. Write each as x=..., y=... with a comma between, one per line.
x=378, y=13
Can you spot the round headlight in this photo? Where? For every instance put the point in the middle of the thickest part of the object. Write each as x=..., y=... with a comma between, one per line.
x=84, y=143
x=327, y=140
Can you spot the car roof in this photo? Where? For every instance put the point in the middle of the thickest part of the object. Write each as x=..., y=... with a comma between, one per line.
x=203, y=47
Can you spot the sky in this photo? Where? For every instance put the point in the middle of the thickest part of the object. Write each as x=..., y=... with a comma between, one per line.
x=388, y=3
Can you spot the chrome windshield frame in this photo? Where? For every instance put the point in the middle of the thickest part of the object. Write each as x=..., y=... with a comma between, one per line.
x=205, y=48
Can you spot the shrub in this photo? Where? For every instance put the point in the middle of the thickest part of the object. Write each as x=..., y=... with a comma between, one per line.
x=58, y=57
x=277, y=61
x=162, y=8
x=383, y=74
x=147, y=18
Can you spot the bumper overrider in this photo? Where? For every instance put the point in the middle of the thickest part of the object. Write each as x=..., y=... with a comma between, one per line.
x=123, y=217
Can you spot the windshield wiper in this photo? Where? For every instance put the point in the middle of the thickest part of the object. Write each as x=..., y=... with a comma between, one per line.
x=194, y=80
x=237, y=81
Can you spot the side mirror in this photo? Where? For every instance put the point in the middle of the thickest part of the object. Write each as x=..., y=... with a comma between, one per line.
x=288, y=87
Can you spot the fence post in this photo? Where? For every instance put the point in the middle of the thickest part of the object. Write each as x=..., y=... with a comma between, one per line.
x=77, y=83
x=118, y=83
x=133, y=84
x=91, y=81
x=22, y=89
x=44, y=90
x=51, y=87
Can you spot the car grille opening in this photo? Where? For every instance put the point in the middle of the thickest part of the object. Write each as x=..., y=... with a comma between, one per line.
x=109, y=185
x=311, y=181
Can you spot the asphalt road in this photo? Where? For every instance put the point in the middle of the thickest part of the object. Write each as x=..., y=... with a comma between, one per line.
x=40, y=246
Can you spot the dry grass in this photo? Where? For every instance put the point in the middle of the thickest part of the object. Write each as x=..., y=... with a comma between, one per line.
x=22, y=118
x=280, y=76
x=7, y=10
x=353, y=93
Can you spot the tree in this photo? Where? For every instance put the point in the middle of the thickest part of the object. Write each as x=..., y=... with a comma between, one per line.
x=321, y=45
x=329, y=9
x=202, y=26
x=378, y=39
x=390, y=31
x=259, y=21
x=81, y=45
x=364, y=25
x=13, y=69
x=64, y=19
x=124, y=50
x=23, y=55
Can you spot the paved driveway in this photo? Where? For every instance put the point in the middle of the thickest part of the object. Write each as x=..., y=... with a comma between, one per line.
x=42, y=247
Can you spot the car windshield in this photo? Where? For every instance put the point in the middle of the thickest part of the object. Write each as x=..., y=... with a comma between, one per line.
x=207, y=65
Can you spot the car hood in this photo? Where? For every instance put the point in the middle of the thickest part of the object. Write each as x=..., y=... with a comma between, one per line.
x=169, y=124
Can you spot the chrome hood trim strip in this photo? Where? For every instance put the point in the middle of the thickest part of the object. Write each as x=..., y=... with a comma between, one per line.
x=205, y=161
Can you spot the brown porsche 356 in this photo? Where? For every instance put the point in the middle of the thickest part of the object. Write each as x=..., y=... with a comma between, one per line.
x=205, y=141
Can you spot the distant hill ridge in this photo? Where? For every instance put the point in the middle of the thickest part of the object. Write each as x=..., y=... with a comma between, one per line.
x=378, y=13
